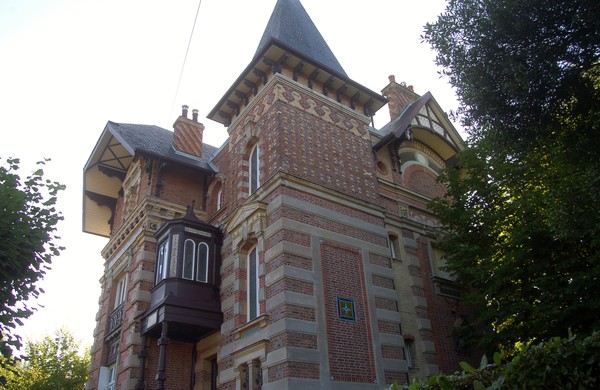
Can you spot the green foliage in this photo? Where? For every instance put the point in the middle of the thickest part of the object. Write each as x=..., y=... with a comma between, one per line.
x=569, y=363
x=28, y=221
x=514, y=64
x=521, y=220
x=52, y=363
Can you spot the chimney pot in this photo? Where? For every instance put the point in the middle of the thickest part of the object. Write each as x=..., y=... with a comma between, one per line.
x=195, y=115
x=399, y=96
x=184, y=110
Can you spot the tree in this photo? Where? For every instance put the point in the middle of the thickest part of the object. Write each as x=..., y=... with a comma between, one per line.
x=521, y=217
x=28, y=220
x=51, y=363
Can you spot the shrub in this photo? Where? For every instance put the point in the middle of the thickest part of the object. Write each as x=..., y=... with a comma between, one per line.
x=571, y=363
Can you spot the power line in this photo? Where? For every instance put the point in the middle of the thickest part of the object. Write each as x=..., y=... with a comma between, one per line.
x=186, y=54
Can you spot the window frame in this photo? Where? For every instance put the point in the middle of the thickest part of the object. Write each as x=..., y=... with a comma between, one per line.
x=198, y=260
x=394, y=248
x=112, y=377
x=252, y=285
x=220, y=198
x=409, y=353
x=162, y=261
x=121, y=292
x=254, y=169
x=184, y=259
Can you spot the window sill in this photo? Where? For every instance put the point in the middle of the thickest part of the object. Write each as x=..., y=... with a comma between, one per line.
x=251, y=327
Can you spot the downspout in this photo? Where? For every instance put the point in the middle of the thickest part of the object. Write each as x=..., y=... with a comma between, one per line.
x=163, y=341
x=193, y=373
x=140, y=385
x=161, y=166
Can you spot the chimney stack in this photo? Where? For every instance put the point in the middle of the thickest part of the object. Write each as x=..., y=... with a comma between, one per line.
x=187, y=137
x=399, y=96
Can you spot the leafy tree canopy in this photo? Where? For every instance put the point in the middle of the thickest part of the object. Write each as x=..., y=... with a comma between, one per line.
x=520, y=68
x=521, y=217
x=54, y=362
x=28, y=220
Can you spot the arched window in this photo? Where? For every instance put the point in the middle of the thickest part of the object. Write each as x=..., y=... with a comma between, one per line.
x=202, y=268
x=219, y=198
x=189, y=250
x=254, y=169
x=253, y=285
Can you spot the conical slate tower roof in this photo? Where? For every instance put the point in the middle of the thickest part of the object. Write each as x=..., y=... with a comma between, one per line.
x=291, y=26
x=291, y=40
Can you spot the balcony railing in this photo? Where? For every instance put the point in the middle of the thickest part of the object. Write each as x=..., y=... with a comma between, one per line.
x=114, y=319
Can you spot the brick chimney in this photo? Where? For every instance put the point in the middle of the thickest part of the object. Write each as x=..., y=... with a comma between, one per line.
x=188, y=133
x=399, y=96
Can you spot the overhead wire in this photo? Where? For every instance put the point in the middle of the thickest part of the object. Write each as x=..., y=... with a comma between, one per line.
x=185, y=57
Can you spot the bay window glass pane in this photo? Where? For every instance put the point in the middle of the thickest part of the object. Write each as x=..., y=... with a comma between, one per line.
x=202, y=275
x=188, y=259
x=162, y=261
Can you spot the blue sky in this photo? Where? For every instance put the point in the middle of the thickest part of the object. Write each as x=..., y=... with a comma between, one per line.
x=69, y=66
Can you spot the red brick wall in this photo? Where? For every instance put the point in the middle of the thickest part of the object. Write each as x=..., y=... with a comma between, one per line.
x=179, y=365
x=349, y=342
x=182, y=185
x=423, y=181
x=442, y=312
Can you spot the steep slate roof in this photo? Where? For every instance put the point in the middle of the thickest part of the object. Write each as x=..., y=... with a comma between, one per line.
x=291, y=38
x=148, y=139
x=291, y=25
x=157, y=141
x=399, y=125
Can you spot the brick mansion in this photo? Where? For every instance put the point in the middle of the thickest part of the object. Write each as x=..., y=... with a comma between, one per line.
x=300, y=254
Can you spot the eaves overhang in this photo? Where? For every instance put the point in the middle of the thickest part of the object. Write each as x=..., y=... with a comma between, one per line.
x=273, y=58
x=103, y=175
x=110, y=160
x=425, y=121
